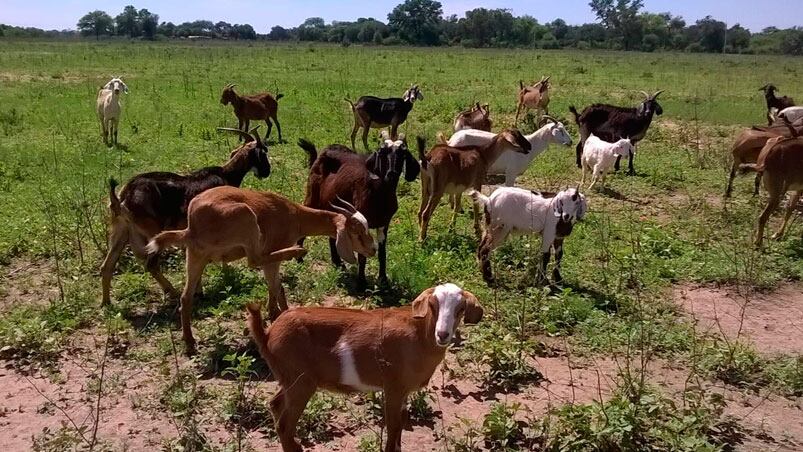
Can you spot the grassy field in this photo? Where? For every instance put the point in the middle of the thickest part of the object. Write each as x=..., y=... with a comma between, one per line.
x=614, y=358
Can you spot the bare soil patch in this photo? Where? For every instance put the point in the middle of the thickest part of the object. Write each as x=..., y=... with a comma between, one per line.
x=25, y=282
x=772, y=321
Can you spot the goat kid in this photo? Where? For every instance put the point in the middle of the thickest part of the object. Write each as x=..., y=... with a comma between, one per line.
x=375, y=112
x=453, y=170
x=225, y=224
x=150, y=203
x=109, y=110
x=257, y=107
x=599, y=157
x=515, y=210
x=368, y=182
x=394, y=350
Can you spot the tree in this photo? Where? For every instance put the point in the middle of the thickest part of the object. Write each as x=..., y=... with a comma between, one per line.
x=712, y=34
x=224, y=30
x=128, y=22
x=417, y=21
x=167, y=29
x=96, y=23
x=278, y=33
x=792, y=41
x=244, y=31
x=738, y=38
x=148, y=23
x=621, y=17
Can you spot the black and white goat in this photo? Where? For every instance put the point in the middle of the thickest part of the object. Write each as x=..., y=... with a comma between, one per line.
x=519, y=211
x=375, y=112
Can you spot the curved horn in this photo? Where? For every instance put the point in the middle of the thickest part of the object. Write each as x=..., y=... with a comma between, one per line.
x=657, y=93
x=253, y=132
x=646, y=96
x=550, y=118
x=340, y=210
x=546, y=78
x=347, y=204
x=246, y=136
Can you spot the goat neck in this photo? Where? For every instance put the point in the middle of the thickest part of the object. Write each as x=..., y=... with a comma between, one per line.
x=236, y=168
x=315, y=222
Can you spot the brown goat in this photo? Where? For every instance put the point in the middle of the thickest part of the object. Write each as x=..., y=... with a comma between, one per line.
x=453, y=170
x=394, y=350
x=476, y=117
x=780, y=167
x=257, y=107
x=535, y=97
x=225, y=224
x=748, y=145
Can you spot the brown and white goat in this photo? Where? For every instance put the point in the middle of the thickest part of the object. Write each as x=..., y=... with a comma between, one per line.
x=535, y=97
x=780, y=167
x=748, y=145
x=394, y=350
x=150, y=203
x=225, y=224
x=257, y=107
x=453, y=170
x=477, y=117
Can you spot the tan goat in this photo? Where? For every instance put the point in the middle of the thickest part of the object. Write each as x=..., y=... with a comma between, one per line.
x=780, y=167
x=393, y=350
x=228, y=223
x=453, y=170
x=535, y=97
x=748, y=145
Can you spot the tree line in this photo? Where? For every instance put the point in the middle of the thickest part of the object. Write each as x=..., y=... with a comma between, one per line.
x=622, y=25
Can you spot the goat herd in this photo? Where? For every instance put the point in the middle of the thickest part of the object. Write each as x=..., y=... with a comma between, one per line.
x=349, y=194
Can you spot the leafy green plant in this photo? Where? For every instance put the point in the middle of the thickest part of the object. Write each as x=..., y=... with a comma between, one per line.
x=501, y=429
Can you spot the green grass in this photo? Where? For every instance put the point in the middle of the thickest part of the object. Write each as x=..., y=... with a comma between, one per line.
x=669, y=228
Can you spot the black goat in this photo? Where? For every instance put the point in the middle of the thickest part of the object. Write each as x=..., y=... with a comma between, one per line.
x=611, y=123
x=368, y=182
x=154, y=202
x=775, y=102
x=375, y=112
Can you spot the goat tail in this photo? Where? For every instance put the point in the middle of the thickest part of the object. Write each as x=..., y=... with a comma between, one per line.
x=279, y=96
x=166, y=239
x=441, y=138
x=309, y=148
x=114, y=201
x=745, y=168
x=521, y=84
x=479, y=198
x=576, y=115
x=256, y=327
x=350, y=103
x=422, y=145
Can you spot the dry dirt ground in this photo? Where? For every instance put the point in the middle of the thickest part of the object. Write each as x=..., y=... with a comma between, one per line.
x=132, y=417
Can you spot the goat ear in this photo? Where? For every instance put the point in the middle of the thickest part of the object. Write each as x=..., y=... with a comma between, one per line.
x=421, y=304
x=411, y=167
x=343, y=244
x=474, y=311
x=582, y=208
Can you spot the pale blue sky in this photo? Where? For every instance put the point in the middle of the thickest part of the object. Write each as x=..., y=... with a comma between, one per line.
x=263, y=14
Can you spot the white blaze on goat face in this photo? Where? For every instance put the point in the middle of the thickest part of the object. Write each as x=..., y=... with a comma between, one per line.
x=449, y=298
x=348, y=370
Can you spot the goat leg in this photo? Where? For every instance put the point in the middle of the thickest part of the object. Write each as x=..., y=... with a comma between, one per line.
x=790, y=206
x=394, y=419
x=382, y=255
x=579, y=152
x=361, y=281
x=540, y=277
x=757, y=184
x=556, y=276
x=630, y=170
x=484, y=256
x=278, y=130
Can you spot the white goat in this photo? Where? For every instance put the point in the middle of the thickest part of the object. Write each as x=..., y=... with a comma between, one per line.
x=108, y=108
x=600, y=156
x=516, y=210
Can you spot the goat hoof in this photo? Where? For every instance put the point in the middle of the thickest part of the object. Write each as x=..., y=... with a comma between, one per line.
x=190, y=349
